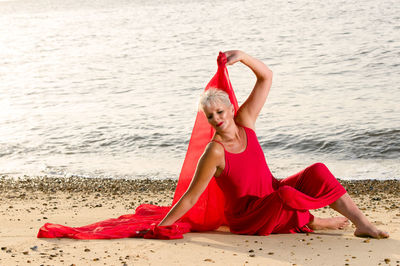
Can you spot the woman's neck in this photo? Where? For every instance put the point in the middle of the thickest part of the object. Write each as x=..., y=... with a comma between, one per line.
x=231, y=134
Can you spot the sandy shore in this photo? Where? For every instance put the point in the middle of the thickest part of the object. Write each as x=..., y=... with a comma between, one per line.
x=27, y=204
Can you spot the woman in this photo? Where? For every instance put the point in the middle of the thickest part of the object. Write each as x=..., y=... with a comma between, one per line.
x=257, y=203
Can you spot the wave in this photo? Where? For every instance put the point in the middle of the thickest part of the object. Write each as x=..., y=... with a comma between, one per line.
x=370, y=144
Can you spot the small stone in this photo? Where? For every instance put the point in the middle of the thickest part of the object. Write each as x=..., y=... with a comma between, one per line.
x=270, y=253
x=366, y=241
x=34, y=248
x=3, y=248
x=209, y=260
x=252, y=255
x=25, y=252
x=387, y=261
x=251, y=250
x=87, y=250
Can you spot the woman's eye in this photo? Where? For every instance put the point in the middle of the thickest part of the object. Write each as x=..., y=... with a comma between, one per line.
x=220, y=112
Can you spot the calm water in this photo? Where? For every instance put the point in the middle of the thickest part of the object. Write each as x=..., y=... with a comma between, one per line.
x=110, y=88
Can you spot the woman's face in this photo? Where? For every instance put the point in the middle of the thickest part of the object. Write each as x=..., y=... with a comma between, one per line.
x=219, y=115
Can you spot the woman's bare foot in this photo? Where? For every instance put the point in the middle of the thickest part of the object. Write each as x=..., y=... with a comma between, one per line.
x=329, y=223
x=370, y=231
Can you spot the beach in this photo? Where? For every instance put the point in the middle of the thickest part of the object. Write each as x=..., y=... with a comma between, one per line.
x=29, y=202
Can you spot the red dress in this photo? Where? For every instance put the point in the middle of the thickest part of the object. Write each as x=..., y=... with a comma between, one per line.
x=257, y=203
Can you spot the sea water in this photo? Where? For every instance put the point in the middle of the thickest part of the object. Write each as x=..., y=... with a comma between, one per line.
x=110, y=88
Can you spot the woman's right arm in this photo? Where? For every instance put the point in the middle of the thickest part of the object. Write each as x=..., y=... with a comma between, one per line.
x=206, y=167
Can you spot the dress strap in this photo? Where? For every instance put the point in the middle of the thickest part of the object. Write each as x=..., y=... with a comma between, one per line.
x=218, y=142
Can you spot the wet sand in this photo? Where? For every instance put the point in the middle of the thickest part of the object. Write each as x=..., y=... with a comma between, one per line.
x=27, y=203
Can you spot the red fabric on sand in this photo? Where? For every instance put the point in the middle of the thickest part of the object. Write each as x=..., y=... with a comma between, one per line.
x=266, y=204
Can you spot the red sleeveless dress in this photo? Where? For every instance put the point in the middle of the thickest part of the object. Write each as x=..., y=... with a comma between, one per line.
x=258, y=204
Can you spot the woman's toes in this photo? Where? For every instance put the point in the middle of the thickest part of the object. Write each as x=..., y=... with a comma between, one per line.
x=383, y=234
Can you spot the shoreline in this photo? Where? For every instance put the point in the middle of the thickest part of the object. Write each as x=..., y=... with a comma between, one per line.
x=49, y=184
x=28, y=203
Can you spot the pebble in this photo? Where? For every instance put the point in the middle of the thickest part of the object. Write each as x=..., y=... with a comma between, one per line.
x=87, y=250
x=34, y=248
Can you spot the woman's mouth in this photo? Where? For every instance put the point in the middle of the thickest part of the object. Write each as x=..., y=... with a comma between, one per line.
x=220, y=124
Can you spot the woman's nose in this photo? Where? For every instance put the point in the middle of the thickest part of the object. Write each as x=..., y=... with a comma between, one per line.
x=216, y=118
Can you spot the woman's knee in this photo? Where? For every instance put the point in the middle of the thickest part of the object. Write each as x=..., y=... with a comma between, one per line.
x=317, y=168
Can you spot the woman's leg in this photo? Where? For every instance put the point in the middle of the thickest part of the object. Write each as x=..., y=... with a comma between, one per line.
x=313, y=173
x=364, y=228
x=309, y=182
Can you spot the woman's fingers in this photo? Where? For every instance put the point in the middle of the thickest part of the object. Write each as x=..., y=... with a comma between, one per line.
x=232, y=56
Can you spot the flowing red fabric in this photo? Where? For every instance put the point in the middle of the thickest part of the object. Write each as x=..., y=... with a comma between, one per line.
x=208, y=212
x=256, y=203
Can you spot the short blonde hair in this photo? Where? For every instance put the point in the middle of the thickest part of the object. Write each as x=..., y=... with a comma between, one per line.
x=213, y=96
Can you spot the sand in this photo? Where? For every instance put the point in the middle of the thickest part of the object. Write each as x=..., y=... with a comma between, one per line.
x=26, y=204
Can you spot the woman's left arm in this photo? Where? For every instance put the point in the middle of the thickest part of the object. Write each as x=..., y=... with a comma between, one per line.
x=250, y=109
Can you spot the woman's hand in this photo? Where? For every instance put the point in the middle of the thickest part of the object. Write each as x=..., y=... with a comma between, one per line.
x=233, y=56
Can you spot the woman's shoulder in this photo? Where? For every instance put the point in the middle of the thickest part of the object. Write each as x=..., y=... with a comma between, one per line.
x=215, y=148
x=214, y=153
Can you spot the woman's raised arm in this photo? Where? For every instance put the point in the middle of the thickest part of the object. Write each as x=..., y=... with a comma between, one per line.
x=206, y=168
x=249, y=110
